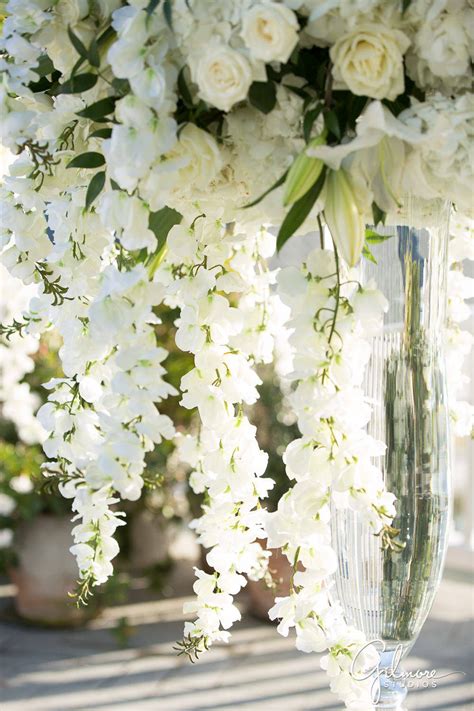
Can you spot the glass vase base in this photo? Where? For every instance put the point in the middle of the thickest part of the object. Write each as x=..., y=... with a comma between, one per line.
x=392, y=691
x=392, y=696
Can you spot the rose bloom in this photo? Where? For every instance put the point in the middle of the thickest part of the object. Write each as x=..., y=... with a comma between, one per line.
x=369, y=61
x=223, y=76
x=270, y=32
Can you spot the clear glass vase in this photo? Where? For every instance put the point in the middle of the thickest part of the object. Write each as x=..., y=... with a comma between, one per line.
x=388, y=594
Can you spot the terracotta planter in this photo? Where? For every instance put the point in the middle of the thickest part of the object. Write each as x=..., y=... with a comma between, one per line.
x=46, y=572
x=261, y=598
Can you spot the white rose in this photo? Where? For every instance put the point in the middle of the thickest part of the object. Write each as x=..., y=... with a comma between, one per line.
x=369, y=61
x=270, y=31
x=223, y=76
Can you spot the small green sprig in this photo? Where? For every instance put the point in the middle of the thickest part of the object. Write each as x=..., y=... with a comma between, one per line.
x=42, y=159
x=192, y=647
x=9, y=330
x=388, y=536
x=52, y=286
x=83, y=591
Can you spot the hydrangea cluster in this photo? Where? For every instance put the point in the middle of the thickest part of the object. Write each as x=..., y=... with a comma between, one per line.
x=332, y=318
x=155, y=143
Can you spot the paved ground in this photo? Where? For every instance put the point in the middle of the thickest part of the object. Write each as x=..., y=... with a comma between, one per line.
x=45, y=670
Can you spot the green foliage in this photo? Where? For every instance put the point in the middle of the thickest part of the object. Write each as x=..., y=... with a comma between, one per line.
x=331, y=121
x=167, y=10
x=21, y=478
x=99, y=109
x=19, y=459
x=299, y=211
x=309, y=118
x=95, y=187
x=192, y=647
x=367, y=254
x=78, y=84
x=162, y=221
x=91, y=159
x=372, y=237
x=101, y=133
x=262, y=96
x=378, y=214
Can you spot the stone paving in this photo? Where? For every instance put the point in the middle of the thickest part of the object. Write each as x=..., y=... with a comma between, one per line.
x=75, y=670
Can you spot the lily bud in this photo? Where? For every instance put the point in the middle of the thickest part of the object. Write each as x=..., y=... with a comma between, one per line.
x=345, y=222
x=303, y=173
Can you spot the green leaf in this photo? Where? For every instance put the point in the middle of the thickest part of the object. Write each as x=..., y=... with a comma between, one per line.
x=405, y=5
x=77, y=66
x=121, y=86
x=300, y=211
x=45, y=66
x=368, y=254
x=151, y=7
x=93, y=54
x=95, y=187
x=309, y=119
x=77, y=84
x=279, y=182
x=87, y=160
x=378, y=214
x=262, y=96
x=101, y=133
x=98, y=109
x=183, y=90
x=77, y=44
x=332, y=124
x=161, y=222
x=298, y=91
x=373, y=237
x=168, y=13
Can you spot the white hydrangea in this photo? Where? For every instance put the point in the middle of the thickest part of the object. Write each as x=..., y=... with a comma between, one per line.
x=441, y=53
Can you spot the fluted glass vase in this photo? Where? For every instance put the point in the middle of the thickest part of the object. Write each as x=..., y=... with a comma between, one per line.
x=388, y=594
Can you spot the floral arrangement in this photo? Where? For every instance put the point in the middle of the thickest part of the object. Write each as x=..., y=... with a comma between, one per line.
x=24, y=364
x=157, y=141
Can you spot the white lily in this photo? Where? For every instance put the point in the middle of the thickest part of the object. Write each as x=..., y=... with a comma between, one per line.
x=345, y=221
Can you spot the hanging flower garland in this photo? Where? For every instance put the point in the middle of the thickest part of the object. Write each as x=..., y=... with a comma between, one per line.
x=17, y=403
x=227, y=341
x=332, y=318
x=155, y=143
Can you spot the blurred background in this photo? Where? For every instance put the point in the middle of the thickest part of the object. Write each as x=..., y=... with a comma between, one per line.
x=117, y=653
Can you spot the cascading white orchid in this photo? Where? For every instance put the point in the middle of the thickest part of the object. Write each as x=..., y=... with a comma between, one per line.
x=206, y=266
x=332, y=318
x=17, y=403
x=102, y=415
x=129, y=119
